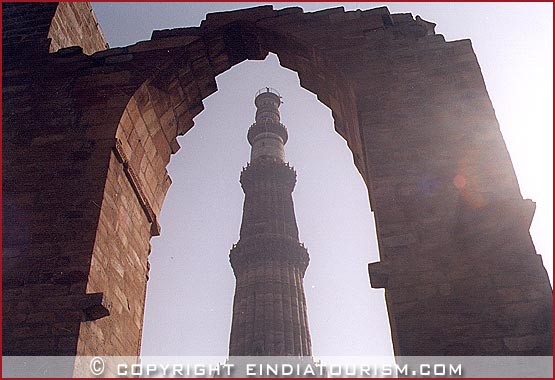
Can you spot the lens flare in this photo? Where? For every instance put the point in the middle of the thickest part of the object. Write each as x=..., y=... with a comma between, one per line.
x=459, y=181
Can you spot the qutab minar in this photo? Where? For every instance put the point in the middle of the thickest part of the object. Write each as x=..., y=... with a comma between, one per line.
x=269, y=262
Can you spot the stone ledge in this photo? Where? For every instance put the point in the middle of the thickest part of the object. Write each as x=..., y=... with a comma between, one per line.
x=137, y=188
x=94, y=306
x=379, y=275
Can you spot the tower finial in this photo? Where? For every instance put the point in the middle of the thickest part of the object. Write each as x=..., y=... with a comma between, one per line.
x=267, y=89
x=267, y=135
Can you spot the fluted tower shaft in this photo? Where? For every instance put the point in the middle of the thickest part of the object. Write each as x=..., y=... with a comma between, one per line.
x=269, y=262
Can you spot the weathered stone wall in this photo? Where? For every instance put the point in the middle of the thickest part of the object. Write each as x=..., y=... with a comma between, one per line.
x=132, y=199
x=65, y=24
x=24, y=23
x=74, y=24
x=82, y=188
x=52, y=191
x=452, y=225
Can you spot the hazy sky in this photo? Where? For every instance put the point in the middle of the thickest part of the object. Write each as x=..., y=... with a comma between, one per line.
x=189, y=298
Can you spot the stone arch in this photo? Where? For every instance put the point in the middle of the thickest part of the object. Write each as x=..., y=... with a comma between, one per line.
x=164, y=106
x=171, y=98
x=459, y=267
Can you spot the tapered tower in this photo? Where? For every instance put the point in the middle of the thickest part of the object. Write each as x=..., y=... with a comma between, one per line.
x=269, y=262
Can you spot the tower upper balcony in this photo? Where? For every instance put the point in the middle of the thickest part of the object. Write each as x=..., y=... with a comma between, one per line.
x=267, y=135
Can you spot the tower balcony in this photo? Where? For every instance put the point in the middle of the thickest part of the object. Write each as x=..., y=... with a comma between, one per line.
x=264, y=173
x=267, y=127
x=268, y=247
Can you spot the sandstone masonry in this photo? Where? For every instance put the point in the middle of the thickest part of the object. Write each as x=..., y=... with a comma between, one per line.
x=88, y=132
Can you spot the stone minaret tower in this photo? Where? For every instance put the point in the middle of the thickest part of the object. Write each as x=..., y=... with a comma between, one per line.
x=269, y=308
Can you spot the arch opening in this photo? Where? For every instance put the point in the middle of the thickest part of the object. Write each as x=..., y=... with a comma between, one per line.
x=345, y=316
x=163, y=107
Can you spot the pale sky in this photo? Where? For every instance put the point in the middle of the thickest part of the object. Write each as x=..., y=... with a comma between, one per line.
x=189, y=296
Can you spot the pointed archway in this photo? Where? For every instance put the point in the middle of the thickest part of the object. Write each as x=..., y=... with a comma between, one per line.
x=457, y=262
